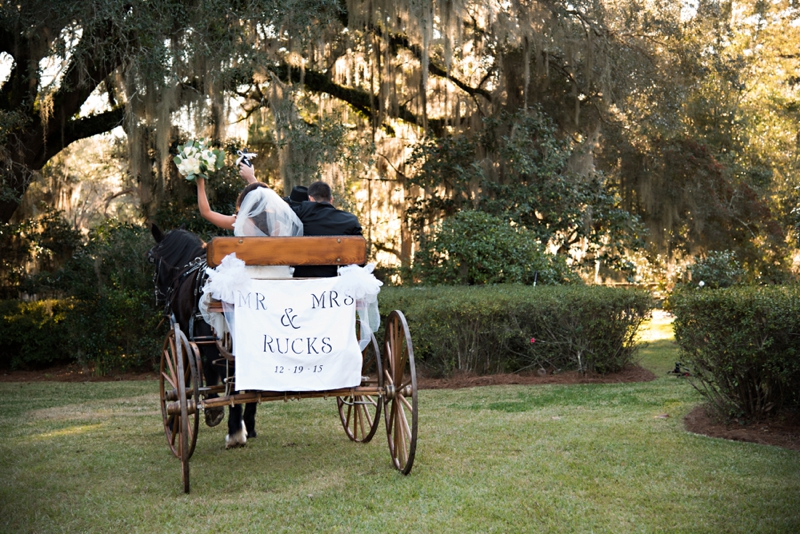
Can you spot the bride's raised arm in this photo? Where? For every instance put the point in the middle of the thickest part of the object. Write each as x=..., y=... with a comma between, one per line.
x=217, y=219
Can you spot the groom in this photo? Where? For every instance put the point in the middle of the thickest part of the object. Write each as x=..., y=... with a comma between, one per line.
x=319, y=218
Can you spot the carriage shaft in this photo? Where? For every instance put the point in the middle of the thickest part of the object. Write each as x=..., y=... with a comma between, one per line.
x=265, y=396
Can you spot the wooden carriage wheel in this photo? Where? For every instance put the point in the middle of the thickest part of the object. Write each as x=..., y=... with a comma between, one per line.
x=179, y=382
x=400, y=383
x=361, y=414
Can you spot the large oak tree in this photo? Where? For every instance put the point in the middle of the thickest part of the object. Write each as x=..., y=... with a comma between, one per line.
x=630, y=81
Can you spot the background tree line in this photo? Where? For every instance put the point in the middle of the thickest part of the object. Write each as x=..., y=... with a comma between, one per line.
x=612, y=136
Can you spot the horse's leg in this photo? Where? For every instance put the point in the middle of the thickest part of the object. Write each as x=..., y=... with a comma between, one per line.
x=250, y=419
x=237, y=433
x=212, y=373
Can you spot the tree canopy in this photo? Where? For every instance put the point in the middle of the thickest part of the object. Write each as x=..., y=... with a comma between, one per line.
x=685, y=121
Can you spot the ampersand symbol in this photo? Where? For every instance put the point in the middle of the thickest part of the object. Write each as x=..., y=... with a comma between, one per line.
x=288, y=320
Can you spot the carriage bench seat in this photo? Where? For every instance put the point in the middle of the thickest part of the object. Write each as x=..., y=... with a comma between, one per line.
x=310, y=250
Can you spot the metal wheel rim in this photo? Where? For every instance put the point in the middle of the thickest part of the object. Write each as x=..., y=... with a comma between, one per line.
x=167, y=382
x=398, y=357
x=183, y=439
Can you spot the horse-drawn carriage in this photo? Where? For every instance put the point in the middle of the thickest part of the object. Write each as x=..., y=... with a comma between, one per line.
x=198, y=367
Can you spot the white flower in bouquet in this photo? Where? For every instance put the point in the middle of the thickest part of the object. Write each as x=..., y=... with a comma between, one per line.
x=195, y=159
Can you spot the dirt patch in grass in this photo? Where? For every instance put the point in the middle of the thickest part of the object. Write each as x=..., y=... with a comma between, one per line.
x=631, y=374
x=781, y=431
x=70, y=373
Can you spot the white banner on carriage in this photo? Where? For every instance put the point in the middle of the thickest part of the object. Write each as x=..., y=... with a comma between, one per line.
x=296, y=335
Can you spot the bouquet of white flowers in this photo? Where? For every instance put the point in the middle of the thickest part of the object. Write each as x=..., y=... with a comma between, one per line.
x=195, y=159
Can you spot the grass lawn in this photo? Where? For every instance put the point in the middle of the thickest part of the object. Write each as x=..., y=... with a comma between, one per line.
x=579, y=458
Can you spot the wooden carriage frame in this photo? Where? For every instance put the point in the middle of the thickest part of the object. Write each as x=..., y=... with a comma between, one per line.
x=388, y=382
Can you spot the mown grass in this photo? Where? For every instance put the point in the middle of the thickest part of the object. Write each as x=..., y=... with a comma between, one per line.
x=579, y=458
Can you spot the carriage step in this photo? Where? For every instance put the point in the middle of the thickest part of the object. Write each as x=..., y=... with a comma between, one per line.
x=205, y=339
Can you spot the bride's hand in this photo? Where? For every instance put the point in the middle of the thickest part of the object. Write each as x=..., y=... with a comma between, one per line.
x=247, y=173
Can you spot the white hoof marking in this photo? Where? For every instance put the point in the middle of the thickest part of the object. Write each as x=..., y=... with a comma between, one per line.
x=238, y=439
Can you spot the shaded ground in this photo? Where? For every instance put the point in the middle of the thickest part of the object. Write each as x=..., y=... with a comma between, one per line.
x=780, y=432
x=632, y=374
x=69, y=373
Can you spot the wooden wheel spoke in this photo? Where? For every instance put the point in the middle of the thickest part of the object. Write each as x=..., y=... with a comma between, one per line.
x=168, y=357
x=356, y=417
x=365, y=418
x=187, y=372
x=349, y=413
x=405, y=401
x=390, y=419
x=399, y=365
x=173, y=433
x=169, y=379
x=404, y=420
x=399, y=441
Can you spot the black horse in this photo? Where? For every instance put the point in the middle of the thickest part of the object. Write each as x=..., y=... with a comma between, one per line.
x=179, y=258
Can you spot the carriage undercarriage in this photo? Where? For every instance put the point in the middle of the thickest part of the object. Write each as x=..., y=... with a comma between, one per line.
x=388, y=385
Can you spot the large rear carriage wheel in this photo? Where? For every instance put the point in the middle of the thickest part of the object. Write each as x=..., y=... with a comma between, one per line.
x=179, y=383
x=360, y=414
x=400, y=383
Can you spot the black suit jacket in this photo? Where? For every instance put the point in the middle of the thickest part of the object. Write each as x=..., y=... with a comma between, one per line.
x=323, y=219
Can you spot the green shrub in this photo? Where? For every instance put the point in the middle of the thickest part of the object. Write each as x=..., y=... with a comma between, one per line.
x=43, y=243
x=741, y=345
x=33, y=334
x=116, y=330
x=476, y=248
x=113, y=258
x=717, y=269
x=511, y=327
x=111, y=324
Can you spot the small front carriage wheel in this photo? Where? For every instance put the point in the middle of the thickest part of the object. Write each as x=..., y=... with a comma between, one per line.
x=179, y=386
x=361, y=414
x=400, y=384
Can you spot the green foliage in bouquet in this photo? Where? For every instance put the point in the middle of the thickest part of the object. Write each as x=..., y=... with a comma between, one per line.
x=197, y=159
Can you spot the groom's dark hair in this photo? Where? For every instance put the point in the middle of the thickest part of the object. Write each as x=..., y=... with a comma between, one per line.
x=320, y=191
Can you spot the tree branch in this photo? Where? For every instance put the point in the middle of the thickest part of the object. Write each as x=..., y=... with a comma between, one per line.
x=82, y=128
x=359, y=99
x=396, y=40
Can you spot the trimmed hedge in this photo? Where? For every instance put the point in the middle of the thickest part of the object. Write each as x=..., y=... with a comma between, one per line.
x=742, y=345
x=115, y=331
x=507, y=328
x=33, y=334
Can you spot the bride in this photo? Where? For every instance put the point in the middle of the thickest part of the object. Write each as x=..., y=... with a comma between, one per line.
x=261, y=212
